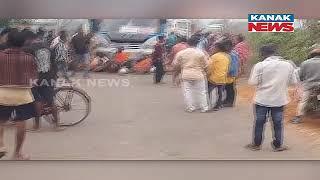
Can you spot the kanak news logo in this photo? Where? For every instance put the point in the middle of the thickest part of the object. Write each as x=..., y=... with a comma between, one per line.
x=270, y=22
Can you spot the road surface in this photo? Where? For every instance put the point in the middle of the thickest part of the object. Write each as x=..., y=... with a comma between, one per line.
x=144, y=121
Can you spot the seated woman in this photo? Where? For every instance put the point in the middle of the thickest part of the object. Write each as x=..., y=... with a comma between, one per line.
x=99, y=62
x=121, y=57
x=143, y=66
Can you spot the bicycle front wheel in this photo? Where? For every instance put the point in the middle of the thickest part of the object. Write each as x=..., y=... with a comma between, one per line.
x=73, y=105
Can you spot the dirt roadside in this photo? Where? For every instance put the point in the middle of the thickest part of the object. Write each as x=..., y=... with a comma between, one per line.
x=310, y=127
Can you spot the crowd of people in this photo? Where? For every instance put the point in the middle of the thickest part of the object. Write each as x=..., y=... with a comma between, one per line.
x=204, y=63
x=40, y=56
x=206, y=66
x=29, y=67
x=207, y=62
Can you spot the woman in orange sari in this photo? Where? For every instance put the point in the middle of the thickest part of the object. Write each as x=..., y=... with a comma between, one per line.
x=121, y=57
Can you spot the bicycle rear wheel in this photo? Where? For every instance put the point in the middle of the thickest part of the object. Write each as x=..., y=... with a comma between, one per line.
x=74, y=105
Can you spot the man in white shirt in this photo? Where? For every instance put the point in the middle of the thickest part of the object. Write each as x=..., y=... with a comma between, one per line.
x=272, y=77
x=193, y=64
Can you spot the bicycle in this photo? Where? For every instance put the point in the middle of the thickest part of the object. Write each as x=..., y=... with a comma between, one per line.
x=64, y=97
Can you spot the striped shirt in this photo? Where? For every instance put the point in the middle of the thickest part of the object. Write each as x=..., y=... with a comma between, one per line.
x=61, y=52
x=17, y=68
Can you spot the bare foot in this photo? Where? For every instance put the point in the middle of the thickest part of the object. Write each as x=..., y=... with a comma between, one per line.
x=21, y=157
x=35, y=130
x=59, y=128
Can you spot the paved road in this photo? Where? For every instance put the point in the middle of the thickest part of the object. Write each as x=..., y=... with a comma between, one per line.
x=147, y=121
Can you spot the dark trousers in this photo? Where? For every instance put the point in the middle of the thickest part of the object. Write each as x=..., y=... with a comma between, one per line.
x=159, y=71
x=63, y=69
x=261, y=114
x=231, y=93
x=211, y=87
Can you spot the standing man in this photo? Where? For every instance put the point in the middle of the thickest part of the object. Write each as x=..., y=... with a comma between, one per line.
x=17, y=70
x=61, y=55
x=4, y=37
x=80, y=42
x=171, y=41
x=43, y=91
x=233, y=73
x=218, y=70
x=50, y=37
x=193, y=64
x=309, y=74
x=157, y=59
x=174, y=50
x=204, y=42
x=41, y=35
x=272, y=77
x=242, y=49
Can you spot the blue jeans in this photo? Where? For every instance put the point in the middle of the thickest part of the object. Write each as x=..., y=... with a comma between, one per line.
x=261, y=113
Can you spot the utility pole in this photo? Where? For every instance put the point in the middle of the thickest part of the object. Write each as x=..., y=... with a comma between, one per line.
x=163, y=25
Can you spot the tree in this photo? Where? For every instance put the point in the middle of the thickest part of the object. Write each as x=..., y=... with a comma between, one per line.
x=14, y=22
x=4, y=23
x=292, y=46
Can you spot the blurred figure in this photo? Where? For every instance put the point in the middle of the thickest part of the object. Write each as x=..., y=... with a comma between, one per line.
x=309, y=74
x=174, y=50
x=4, y=37
x=41, y=34
x=171, y=41
x=43, y=90
x=121, y=57
x=242, y=49
x=50, y=37
x=99, y=63
x=193, y=64
x=211, y=44
x=218, y=70
x=181, y=45
x=80, y=43
x=233, y=73
x=272, y=77
x=204, y=42
x=158, y=58
x=15, y=90
x=61, y=55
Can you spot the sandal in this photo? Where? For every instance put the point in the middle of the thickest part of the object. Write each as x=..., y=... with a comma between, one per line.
x=296, y=120
x=3, y=152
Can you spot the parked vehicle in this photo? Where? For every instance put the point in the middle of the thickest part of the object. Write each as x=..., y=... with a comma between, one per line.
x=182, y=27
x=136, y=36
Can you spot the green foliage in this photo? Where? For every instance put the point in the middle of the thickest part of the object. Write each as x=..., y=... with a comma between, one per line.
x=4, y=23
x=293, y=46
x=13, y=22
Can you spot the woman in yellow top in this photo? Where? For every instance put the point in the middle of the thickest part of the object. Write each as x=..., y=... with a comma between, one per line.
x=218, y=69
